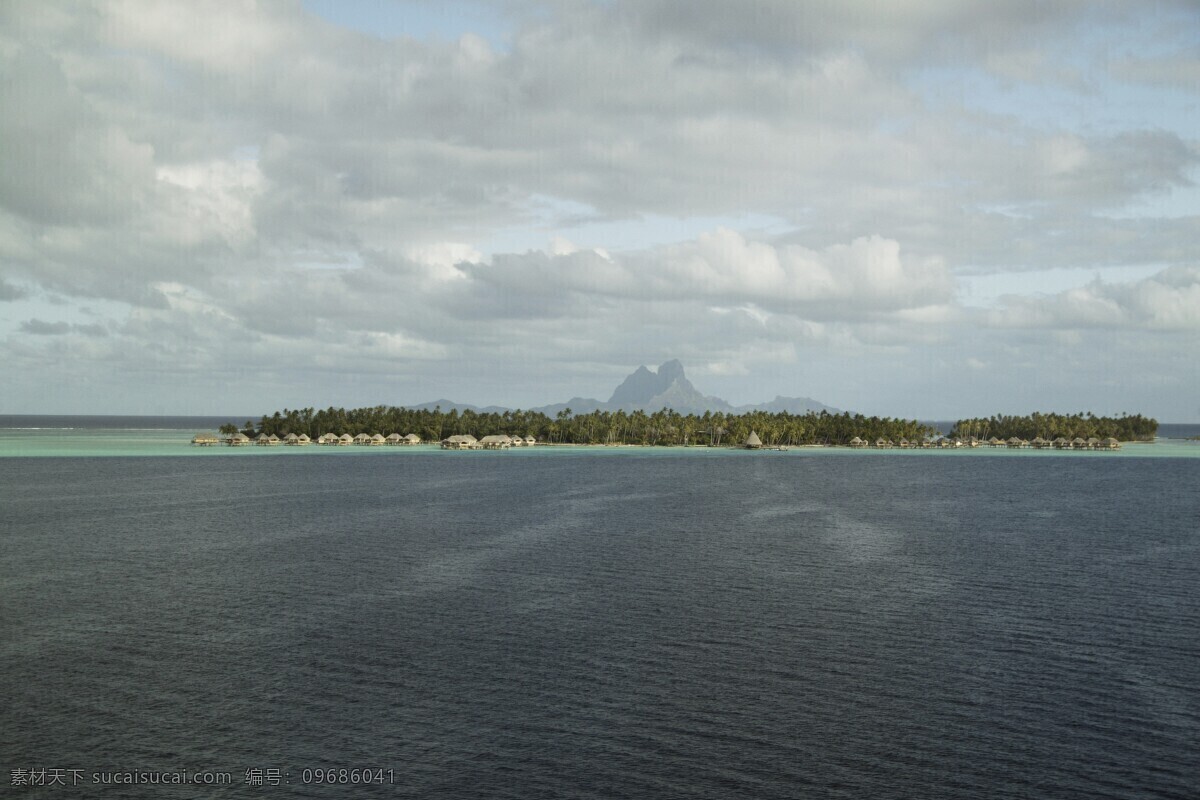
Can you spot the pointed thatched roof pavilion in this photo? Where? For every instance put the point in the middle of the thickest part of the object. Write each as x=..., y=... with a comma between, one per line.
x=461, y=441
x=394, y=439
x=239, y=440
x=377, y=440
x=1111, y=444
x=345, y=439
x=291, y=438
x=412, y=438
x=530, y=441
x=753, y=442
x=205, y=440
x=857, y=442
x=303, y=439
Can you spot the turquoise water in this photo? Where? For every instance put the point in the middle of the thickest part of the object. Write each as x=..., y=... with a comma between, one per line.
x=88, y=442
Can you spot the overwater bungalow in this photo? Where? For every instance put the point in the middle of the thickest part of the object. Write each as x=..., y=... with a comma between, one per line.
x=292, y=439
x=1093, y=443
x=303, y=439
x=394, y=439
x=1110, y=444
x=1061, y=443
x=957, y=442
x=362, y=439
x=262, y=440
x=973, y=442
x=903, y=444
x=464, y=441
x=496, y=442
x=994, y=442
x=1039, y=443
x=205, y=440
x=412, y=438
x=377, y=440
x=345, y=439
x=239, y=440
x=752, y=442
x=883, y=444
x=1078, y=443
x=1013, y=442
x=857, y=442
x=530, y=441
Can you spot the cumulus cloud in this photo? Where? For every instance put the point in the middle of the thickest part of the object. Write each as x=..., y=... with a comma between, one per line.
x=1168, y=301
x=246, y=182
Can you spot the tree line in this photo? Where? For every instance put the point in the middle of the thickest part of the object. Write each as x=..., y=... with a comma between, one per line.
x=1127, y=427
x=669, y=427
x=663, y=427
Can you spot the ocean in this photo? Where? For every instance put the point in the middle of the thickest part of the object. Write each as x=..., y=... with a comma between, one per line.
x=597, y=623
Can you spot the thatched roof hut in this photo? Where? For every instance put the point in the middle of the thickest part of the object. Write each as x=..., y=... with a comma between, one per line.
x=273, y=440
x=291, y=438
x=262, y=439
x=496, y=442
x=857, y=442
x=994, y=442
x=362, y=439
x=1111, y=444
x=239, y=440
x=412, y=438
x=1061, y=442
x=345, y=439
x=463, y=441
x=377, y=440
x=205, y=439
x=530, y=441
x=882, y=443
x=303, y=439
x=1078, y=443
x=394, y=439
x=752, y=441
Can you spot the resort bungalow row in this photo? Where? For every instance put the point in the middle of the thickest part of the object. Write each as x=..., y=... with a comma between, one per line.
x=466, y=441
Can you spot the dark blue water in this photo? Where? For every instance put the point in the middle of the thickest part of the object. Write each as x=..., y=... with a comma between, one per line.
x=644, y=626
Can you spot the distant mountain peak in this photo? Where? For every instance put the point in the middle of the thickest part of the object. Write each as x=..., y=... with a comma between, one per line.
x=666, y=387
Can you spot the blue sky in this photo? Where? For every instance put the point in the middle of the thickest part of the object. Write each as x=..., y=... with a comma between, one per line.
x=927, y=209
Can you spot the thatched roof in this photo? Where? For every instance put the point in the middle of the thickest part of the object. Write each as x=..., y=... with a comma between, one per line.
x=241, y=437
x=304, y=437
x=345, y=437
x=204, y=438
x=462, y=438
x=856, y=440
x=753, y=441
x=378, y=438
x=530, y=440
x=393, y=437
x=291, y=437
x=413, y=438
x=496, y=439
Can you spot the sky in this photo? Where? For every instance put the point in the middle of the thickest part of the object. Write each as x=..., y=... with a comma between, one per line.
x=921, y=208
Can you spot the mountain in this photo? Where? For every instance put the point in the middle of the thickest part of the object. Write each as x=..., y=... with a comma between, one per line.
x=646, y=390
x=668, y=387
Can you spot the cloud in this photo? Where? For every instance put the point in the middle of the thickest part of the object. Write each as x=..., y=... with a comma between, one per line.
x=10, y=292
x=1166, y=301
x=248, y=184
x=38, y=327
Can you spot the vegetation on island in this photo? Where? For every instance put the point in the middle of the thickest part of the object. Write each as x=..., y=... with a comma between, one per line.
x=665, y=427
x=668, y=427
x=1085, y=425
